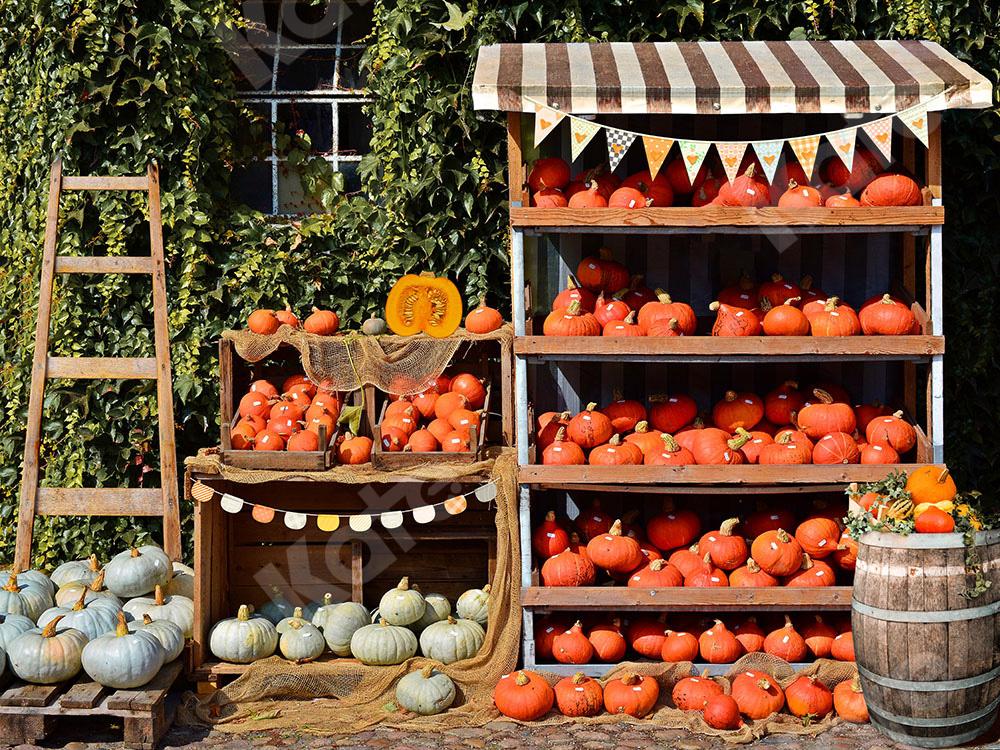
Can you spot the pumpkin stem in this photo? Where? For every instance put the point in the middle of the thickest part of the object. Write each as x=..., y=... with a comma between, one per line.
x=521, y=679
x=616, y=529
x=571, y=282
x=752, y=565
x=297, y=613
x=693, y=549
x=295, y=625
x=243, y=613
x=671, y=444
x=94, y=566
x=427, y=671
x=763, y=684
x=741, y=439
x=630, y=319
x=122, y=627
x=831, y=304
x=727, y=526
x=80, y=602
x=404, y=583
x=782, y=536
x=615, y=440
x=160, y=600
x=792, y=184
x=750, y=170
x=579, y=678
x=765, y=304
x=658, y=565
x=451, y=620
x=714, y=306
x=788, y=621
x=12, y=583
x=807, y=562
x=631, y=679
x=592, y=406
x=560, y=435
x=819, y=393
x=327, y=599
x=605, y=254
x=856, y=684
x=574, y=308
x=886, y=300
x=784, y=438
x=943, y=476
x=807, y=282
x=641, y=427
x=792, y=300
x=486, y=588
x=146, y=619
x=50, y=630
x=98, y=583
x=663, y=296
x=136, y=552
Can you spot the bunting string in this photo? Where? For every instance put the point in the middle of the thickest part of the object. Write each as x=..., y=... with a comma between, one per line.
x=693, y=151
x=358, y=522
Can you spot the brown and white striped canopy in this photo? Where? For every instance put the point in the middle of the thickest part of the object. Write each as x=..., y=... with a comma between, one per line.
x=726, y=77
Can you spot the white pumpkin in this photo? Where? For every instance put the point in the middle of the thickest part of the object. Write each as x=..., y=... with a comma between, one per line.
x=95, y=619
x=167, y=633
x=402, y=605
x=11, y=626
x=452, y=640
x=474, y=605
x=69, y=593
x=383, y=644
x=35, y=578
x=178, y=609
x=44, y=656
x=425, y=692
x=325, y=608
x=301, y=641
x=181, y=582
x=438, y=608
x=123, y=660
x=340, y=625
x=138, y=571
x=244, y=638
x=296, y=616
x=76, y=570
x=26, y=599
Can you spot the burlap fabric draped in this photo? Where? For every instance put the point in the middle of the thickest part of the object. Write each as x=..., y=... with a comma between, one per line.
x=394, y=364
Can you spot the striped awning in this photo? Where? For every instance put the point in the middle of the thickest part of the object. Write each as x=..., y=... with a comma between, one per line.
x=726, y=77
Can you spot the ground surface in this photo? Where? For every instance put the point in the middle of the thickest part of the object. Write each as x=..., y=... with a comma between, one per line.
x=495, y=736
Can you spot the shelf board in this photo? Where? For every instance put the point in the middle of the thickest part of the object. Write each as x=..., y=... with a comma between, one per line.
x=723, y=349
x=743, y=474
x=623, y=598
x=726, y=220
x=599, y=670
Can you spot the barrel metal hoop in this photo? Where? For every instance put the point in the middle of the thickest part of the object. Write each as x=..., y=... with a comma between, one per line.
x=941, y=615
x=946, y=721
x=924, y=686
x=926, y=541
x=933, y=742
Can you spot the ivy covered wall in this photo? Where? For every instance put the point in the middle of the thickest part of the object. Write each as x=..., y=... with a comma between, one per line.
x=109, y=85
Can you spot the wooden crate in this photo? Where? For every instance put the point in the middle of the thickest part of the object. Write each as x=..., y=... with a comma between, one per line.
x=30, y=713
x=240, y=561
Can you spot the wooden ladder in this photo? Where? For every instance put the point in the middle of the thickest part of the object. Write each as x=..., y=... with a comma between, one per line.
x=101, y=501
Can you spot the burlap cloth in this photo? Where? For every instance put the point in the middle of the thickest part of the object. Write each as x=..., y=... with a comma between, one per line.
x=393, y=364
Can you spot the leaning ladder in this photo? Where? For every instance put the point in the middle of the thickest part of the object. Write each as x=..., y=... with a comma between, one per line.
x=101, y=501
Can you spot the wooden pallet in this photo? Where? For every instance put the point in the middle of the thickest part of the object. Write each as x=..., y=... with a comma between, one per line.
x=29, y=713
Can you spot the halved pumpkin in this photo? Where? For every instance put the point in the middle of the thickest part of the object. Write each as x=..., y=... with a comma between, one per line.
x=424, y=303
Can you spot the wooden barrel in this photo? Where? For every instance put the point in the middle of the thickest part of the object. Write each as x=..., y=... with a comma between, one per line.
x=927, y=654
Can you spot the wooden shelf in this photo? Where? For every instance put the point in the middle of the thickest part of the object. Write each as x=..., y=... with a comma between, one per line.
x=721, y=349
x=745, y=474
x=728, y=220
x=599, y=670
x=623, y=598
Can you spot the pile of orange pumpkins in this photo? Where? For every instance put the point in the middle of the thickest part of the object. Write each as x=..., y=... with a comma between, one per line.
x=787, y=426
x=604, y=299
x=768, y=549
x=289, y=420
x=440, y=418
x=754, y=694
x=552, y=186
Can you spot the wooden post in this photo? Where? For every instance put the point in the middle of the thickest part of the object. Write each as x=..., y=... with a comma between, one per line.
x=515, y=161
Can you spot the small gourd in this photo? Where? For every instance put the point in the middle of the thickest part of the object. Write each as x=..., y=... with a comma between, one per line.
x=138, y=571
x=474, y=605
x=402, y=605
x=18, y=598
x=383, y=644
x=374, y=326
x=425, y=692
x=286, y=623
x=44, y=657
x=178, y=609
x=167, y=633
x=93, y=619
x=438, y=608
x=340, y=625
x=243, y=639
x=301, y=641
x=452, y=640
x=123, y=660
x=76, y=570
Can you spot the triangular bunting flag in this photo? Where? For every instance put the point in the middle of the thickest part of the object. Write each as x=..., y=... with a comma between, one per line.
x=805, y=149
x=619, y=142
x=843, y=142
x=581, y=132
x=769, y=154
x=546, y=120
x=731, y=155
x=656, y=151
x=231, y=504
x=915, y=118
x=880, y=133
x=295, y=521
x=693, y=153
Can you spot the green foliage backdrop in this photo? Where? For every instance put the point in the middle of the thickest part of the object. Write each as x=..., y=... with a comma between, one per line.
x=109, y=85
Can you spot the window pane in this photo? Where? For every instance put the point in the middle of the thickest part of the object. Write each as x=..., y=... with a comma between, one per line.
x=257, y=136
x=251, y=186
x=308, y=23
x=355, y=130
x=306, y=70
x=257, y=63
x=351, y=75
x=314, y=119
x=358, y=21
x=352, y=180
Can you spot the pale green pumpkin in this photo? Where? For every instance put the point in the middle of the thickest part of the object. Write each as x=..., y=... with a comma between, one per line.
x=25, y=599
x=123, y=660
x=340, y=625
x=68, y=593
x=167, y=633
x=402, y=605
x=34, y=578
x=11, y=626
x=76, y=570
x=324, y=609
x=296, y=616
x=244, y=638
x=383, y=644
x=452, y=640
x=178, y=609
x=438, y=608
x=277, y=608
x=474, y=605
x=93, y=619
x=301, y=641
x=138, y=571
x=181, y=582
x=44, y=656
x=425, y=692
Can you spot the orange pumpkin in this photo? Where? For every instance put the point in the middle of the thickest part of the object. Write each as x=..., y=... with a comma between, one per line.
x=738, y=410
x=423, y=304
x=523, y=695
x=264, y=322
x=879, y=454
x=548, y=172
x=657, y=574
x=673, y=528
x=825, y=416
x=287, y=317
x=705, y=574
x=849, y=701
x=734, y=321
x=931, y=484
x=836, y=448
x=846, y=554
x=807, y=696
x=842, y=200
x=601, y=273
x=568, y=568
x=627, y=328
x=690, y=693
x=575, y=293
x=893, y=431
x=646, y=635
x=663, y=311
x=834, y=319
x=818, y=637
x=892, y=190
x=614, y=552
x=934, y=521
x=546, y=629
x=749, y=634
x=671, y=453
x=354, y=449
x=572, y=320
x=777, y=553
x=589, y=428
x=624, y=413
x=786, y=320
x=268, y=440
x=631, y=694
x=671, y=413
x=722, y=712
x=615, y=453
x=727, y=549
x=608, y=311
x=593, y=521
x=818, y=536
x=786, y=450
x=550, y=537
x=679, y=646
x=757, y=694
x=811, y=573
x=572, y=647
x=590, y=197
x=322, y=322
x=718, y=645
x=608, y=642
x=842, y=648
x=786, y=643
x=579, y=695
x=446, y=403
x=887, y=317
x=751, y=576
